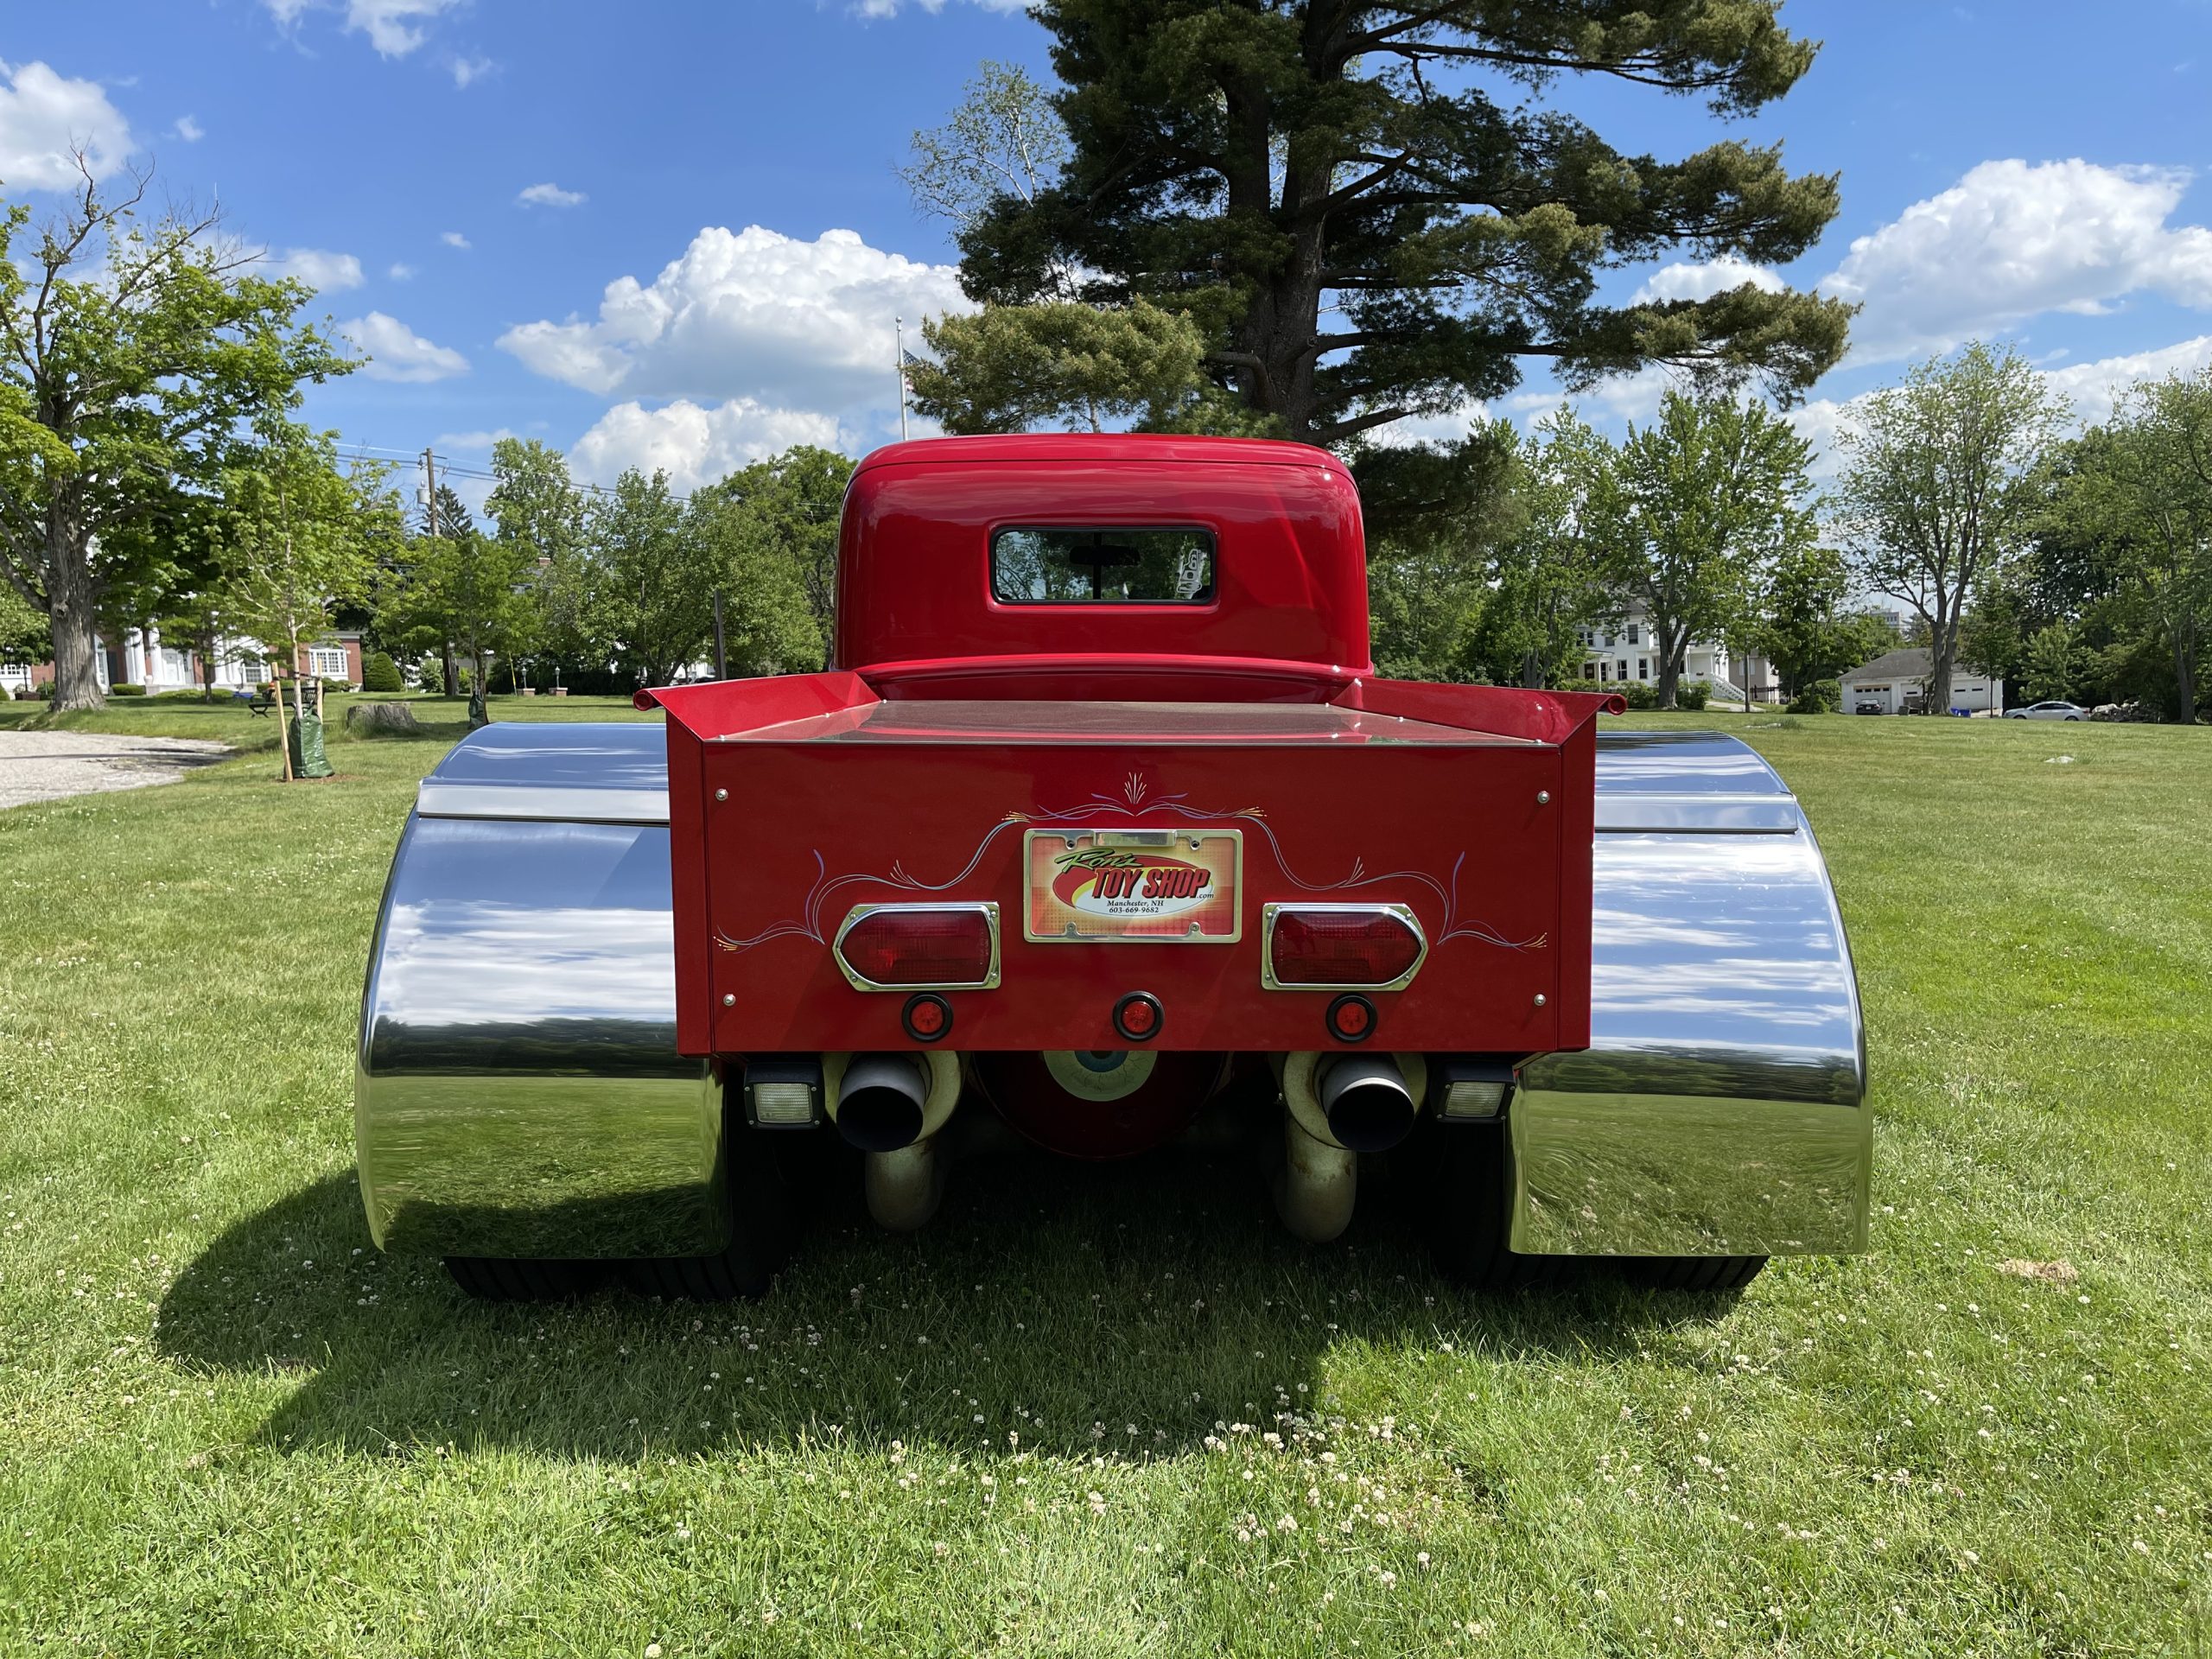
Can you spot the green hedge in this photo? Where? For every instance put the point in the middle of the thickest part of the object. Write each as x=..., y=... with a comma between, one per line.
x=126, y=691
x=380, y=673
x=1820, y=698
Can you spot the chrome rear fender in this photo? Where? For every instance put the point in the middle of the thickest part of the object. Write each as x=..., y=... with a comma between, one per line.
x=1720, y=1108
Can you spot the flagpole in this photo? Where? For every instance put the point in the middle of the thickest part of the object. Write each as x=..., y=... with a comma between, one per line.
x=898, y=361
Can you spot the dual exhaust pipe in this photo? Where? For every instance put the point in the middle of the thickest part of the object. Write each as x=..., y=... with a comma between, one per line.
x=891, y=1105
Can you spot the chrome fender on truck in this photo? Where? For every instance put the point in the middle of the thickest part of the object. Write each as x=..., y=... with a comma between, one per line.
x=519, y=1093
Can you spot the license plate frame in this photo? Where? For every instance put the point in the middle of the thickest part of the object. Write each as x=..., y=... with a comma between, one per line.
x=1058, y=912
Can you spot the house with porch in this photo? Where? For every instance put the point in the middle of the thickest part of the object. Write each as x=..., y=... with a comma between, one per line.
x=1625, y=650
x=141, y=658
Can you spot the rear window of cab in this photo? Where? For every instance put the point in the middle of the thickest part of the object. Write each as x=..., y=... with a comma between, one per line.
x=1091, y=565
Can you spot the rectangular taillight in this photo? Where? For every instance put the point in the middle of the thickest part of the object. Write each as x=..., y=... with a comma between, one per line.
x=1340, y=947
x=921, y=947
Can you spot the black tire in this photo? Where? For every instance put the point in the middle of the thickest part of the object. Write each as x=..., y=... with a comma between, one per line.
x=495, y=1279
x=1693, y=1273
x=1466, y=1201
x=762, y=1225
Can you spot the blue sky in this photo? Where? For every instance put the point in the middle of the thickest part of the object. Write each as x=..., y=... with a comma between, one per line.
x=670, y=235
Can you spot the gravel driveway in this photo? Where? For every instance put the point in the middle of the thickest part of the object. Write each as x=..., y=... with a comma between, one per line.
x=47, y=766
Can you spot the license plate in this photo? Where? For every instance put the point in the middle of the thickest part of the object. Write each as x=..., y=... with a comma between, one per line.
x=1115, y=886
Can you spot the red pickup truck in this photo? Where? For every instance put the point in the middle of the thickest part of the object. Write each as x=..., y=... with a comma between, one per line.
x=1102, y=826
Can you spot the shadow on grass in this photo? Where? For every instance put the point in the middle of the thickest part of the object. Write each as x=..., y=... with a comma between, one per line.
x=1063, y=1303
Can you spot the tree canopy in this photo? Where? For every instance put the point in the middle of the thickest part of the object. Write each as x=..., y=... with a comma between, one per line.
x=1261, y=164
x=1939, y=485
x=134, y=356
x=1692, y=512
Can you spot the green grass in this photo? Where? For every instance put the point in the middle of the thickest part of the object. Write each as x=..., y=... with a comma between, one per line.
x=228, y=1427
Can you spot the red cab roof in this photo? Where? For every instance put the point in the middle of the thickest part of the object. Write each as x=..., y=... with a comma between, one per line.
x=914, y=581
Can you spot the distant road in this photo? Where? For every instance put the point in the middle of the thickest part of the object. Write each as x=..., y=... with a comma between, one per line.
x=49, y=766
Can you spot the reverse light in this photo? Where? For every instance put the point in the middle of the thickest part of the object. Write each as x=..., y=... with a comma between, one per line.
x=1340, y=947
x=1471, y=1086
x=921, y=947
x=784, y=1094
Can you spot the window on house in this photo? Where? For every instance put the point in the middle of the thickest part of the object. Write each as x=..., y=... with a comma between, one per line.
x=1644, y=668
x=1589, y=670
x=1633, y=630
x=326, y=662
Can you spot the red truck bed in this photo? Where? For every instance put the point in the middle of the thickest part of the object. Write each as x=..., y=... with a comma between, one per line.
x=795, y=800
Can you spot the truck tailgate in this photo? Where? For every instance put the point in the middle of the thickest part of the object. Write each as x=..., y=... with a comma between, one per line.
x=1126, y=847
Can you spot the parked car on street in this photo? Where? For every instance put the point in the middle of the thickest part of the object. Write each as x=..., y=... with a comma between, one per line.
x=2053, y=710
x=1869, y=708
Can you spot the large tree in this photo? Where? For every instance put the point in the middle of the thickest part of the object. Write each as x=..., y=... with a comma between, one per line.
x=1806, y=624
x=131, y=355
x=653, y=579
x=1691, y=514
x=1547, y=577
x=786, y=512
x=1940, y=489
x=1263, y=165
x=2145, y=486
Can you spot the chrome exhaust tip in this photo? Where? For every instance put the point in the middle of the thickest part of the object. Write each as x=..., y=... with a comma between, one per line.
x=880, y=1102
x=1367, y=1103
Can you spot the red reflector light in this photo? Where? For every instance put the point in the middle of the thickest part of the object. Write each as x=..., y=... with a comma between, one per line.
x=1370, y=945
x=907, y=947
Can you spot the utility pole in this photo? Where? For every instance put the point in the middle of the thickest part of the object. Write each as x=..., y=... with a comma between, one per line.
x=430, y=502
x=898, y=361
x=722, y=660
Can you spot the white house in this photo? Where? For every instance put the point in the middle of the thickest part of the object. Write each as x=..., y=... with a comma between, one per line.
x=1626, y=651
x=1896, y=683
x=142, y=659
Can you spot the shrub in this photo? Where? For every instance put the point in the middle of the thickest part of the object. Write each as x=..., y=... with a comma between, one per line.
x=1639, y=695
x=126, y=691
x=1691, y=694
x=1820, y=698
x=193, y=694
x=430, y=676
x=380, y=673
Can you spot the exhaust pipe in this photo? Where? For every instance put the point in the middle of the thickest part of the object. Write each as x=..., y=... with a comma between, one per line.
x=1366, y=1102
x=890, y=1106
x=1336, y=1106
x=880, y=1102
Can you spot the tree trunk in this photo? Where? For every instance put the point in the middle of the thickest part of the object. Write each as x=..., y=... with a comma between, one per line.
x=1671, y=651
x=2185, y=673
x=1532, y=670
x=1939, y=680
x=453, y=674
x=70, y=602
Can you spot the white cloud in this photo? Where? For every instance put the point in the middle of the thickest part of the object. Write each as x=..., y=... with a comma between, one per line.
x=693, y=445
x=748, y=315
x=549, y=196
x=452, y=238
x=468, y=71
x=2095, y=387
x=2011, y=241
x=473, y=440
x=398, y=352
x=318, y=268
x=401, y=273
x=188, y=129
x=392, y=26
x=1450, y=427
x=45, y=118
x=1702, y=281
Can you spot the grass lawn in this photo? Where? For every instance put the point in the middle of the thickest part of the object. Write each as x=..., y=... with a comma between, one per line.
x=1116, y=1411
